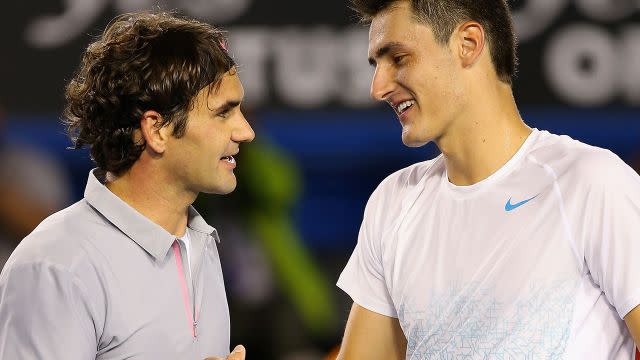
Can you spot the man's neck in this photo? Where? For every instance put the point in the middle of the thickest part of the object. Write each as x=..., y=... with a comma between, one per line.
x=484, y=139
x=153, y=196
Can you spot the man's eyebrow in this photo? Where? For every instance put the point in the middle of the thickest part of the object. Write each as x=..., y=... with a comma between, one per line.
x=384, y=50
x=230, y=104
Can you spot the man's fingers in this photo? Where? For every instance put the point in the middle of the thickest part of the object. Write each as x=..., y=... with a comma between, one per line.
x=238, y=353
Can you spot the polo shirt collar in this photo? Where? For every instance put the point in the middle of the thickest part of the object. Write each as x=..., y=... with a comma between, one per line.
x=150, y=236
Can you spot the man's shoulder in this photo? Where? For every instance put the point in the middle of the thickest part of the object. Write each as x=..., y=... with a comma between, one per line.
x=62, y=239
x=413, y=174
x=571, y=158
x=404, y=180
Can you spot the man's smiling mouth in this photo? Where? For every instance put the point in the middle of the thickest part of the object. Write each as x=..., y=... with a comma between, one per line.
x=403, y=106
x=230, y=159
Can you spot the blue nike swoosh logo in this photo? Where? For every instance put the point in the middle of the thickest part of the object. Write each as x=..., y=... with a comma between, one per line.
x=509, y=206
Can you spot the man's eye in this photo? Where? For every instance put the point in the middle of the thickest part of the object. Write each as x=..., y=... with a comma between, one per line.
x=224, y=114
x=397, y=59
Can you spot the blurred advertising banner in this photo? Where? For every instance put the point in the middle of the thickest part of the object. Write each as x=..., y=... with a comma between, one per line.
x=312, y=55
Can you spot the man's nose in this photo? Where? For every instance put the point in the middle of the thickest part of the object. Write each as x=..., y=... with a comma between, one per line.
x=382, y=84
x=244, y=132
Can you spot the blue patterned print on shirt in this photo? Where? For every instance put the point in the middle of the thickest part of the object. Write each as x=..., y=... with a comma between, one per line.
x=470, y=323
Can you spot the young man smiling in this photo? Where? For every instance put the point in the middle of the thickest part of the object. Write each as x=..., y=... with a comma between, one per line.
x=132, y=270
x=514, y=242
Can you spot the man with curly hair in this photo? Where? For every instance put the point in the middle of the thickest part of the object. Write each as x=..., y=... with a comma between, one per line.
x=132, y=270
x=514, y=243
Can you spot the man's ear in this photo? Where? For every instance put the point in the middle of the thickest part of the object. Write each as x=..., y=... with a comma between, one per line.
x=155, y=135
x=471, y=42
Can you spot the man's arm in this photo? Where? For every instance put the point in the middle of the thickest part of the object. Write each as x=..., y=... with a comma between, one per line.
x=44, y=314
x=372, y=336
x=633, y=323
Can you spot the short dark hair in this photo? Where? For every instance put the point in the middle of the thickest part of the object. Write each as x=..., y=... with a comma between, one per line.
x=444, y=15
x=142, y=61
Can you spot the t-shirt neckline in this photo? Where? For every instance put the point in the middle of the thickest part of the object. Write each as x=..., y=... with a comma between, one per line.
x=462, y=190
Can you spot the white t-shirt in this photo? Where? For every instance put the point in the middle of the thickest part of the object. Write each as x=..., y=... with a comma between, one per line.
x=186, y=241
x=537, y=261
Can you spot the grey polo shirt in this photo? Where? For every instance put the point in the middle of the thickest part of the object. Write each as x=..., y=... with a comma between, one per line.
x=98, y=280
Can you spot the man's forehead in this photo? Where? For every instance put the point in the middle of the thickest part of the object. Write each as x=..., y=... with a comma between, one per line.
x=390, y=25
x=228, y=89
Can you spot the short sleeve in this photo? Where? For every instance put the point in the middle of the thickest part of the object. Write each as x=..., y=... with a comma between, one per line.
x=363, y=276
x=612, y=232
x=44, y=314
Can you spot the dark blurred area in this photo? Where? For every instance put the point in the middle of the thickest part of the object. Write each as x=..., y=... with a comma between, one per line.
x=322, y=145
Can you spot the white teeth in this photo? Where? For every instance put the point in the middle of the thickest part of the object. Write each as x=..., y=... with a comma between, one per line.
x=229, y=159
x=405, y=105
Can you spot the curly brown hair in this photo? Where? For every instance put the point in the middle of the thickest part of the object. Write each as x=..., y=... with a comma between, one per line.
x=444, y=15
x=143, y=61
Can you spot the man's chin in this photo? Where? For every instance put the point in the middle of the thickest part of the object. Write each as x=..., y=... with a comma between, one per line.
x=221, y=189
x=413, y=142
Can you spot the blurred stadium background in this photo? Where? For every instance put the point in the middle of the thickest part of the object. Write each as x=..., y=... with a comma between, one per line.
x=322, y=145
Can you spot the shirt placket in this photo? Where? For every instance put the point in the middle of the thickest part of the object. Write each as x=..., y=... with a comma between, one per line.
x=186, y=288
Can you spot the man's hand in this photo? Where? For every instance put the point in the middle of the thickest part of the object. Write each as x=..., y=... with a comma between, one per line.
x=238, y=353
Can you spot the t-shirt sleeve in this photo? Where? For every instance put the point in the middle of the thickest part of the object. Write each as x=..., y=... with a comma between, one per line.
x=363, y=276
x=612, y=232
x=44, y=314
